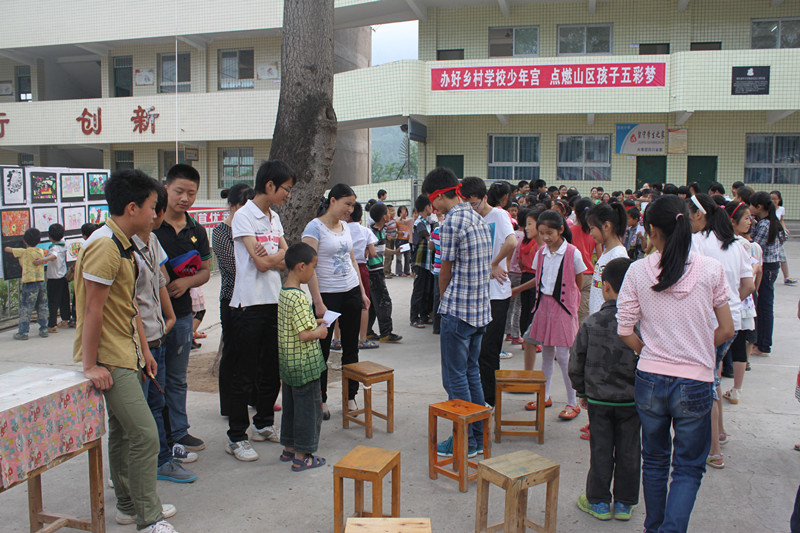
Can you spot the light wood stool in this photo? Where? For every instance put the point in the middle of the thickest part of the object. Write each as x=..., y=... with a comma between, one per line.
x=368, y=373
x=461, y=413
x=531, y=381
x=366, y=464
x=388, y=525
x=516, y=473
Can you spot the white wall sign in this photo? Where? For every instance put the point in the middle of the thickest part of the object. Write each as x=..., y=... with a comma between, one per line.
x=145, y=76
x=641, y=139
x=267, y=71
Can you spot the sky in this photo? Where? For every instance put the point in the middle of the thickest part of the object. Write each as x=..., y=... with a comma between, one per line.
x=393, y=42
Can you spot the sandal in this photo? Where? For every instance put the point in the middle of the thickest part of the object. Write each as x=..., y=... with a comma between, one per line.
x=531, y=406
x=732, y=396
x=326, y=413
x=298, y=465
x=797, y=447
x=723, y=438
x=286, y=456
x=368, y=345
x=569, y=412
x=336, y=345
x=585, y=435
x=715, y=461
x=200, y=335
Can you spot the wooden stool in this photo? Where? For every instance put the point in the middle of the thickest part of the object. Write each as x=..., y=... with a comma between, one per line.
x=368, y=373
x=461, y=413
x=388, y=525
x=516, y=473
x=519, y=381
x=366, y=464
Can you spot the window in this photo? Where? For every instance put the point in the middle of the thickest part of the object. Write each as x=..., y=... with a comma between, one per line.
x=513, y=157
x=447, y=55
x=166, y=160
x=236, y=165
x=772, y=159
x=712, y=45
x=504, y=42
x=123, y=76
x=168, y=81
x=123, y=159
x=778, y=33
x=584, y=157
x=23, y=75
x=236, y=69
x=25, y=160
x=653, y=49
x=584, y=40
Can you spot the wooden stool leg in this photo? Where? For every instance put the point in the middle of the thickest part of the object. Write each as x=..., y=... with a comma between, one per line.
x=432, y=444
x=368, y=411
x=487, y=444
x=396, y=490
x=522, y=509
x=498, y=414
x=390, y=404
x=35, y=502
x=96, y=488
x=460, y=454
x=540, y=399
x=359, y=497
x=338, y=504
x=513, y=522
x=482, y=505
x=377, y=498
x=551, y=506
x=345, y=394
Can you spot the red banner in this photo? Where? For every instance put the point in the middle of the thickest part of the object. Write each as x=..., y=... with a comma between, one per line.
x=209, y=217
x=549, y=76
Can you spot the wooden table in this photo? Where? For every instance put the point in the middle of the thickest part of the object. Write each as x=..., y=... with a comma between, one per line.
x=47, y=417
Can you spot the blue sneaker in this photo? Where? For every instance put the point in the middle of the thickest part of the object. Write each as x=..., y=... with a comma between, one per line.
x=622, y=511
x=601, y=511
x=445, y=448
x=173, y=471
x=472, y=452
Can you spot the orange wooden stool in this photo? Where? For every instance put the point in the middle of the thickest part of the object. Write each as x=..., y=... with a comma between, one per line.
x=531, y=381
x=516, y=473
x=461, y=413
x=365, y=464
x=368, y=373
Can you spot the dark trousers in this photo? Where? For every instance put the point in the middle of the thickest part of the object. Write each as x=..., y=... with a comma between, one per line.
x=794, y=521
x=491, y=345
x=380, y=303
x=764, y=307
x=227, y=343
x=437, y=297
x=527, y=299
x=58, y=300
x=349, y=304
x=254, y=367
x=422, y=295
x=616, y=452
x=301, y=418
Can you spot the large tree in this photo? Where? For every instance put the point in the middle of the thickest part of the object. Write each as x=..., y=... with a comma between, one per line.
x=305, y=128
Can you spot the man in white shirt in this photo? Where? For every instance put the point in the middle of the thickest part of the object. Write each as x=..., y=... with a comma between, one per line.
x=57, y=284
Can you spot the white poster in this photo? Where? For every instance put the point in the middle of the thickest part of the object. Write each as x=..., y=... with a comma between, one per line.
x=267, y=71
x=641, y=139
x=146, y=76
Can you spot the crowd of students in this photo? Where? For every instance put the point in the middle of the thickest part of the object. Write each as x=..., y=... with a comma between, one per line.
x=622, y=260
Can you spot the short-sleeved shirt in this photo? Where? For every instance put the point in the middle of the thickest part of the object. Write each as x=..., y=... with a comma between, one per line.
x=222, y=243
x=107, y=257
x=422, y=233
x=252, y=287
x=375, y=264
x=26, y=256
x=467, y=242
x=299, y=361
x=586, y=244
x=362, y=237
x=404, y=229
x=149, y=258
x=552, y=262
x=596, y=290
x=437, y=250
x=500, y=225
x=772, y=251
x=57, y=269
x=391, y=228
x=186, y=250
x=335, y=271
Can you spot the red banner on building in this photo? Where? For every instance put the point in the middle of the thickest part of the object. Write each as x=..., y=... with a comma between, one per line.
x=549, y=76
x=209, y=217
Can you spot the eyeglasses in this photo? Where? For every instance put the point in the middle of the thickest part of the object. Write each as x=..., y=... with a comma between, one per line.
x=288, y=191
x=475, y=203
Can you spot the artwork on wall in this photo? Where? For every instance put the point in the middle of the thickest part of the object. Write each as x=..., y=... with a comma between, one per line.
x=43, y=187
x=73, y=247
x=14, y=224
x=98, y=214
x=13, y=186
x=73, y=187
x=96, y=182
x=74, y=217
x=43, y=217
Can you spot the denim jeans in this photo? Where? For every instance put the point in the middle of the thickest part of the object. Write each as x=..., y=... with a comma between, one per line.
x=685, y=406
x=176, y=362
x=157, y=402
x=764, y=307
x=461, y=376
x=32, y=296
x=301, y=417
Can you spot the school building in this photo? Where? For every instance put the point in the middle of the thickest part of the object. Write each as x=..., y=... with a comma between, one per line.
x=584, y=93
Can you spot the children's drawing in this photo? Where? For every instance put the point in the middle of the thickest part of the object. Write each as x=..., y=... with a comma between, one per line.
x=74, y=217
x=97, y=185
x=73, y=187
x=98, y=214
x=15, y=222
x=43, y=217
x=13, y=186
x=43, y=187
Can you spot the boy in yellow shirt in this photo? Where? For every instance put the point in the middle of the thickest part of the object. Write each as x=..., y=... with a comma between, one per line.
x=33, y=292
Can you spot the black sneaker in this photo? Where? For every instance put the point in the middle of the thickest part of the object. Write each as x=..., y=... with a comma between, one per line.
x=193, y=444
x=391, y=338
x=373, y=337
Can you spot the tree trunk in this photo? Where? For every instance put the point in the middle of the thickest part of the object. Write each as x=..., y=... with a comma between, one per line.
x=305, y=128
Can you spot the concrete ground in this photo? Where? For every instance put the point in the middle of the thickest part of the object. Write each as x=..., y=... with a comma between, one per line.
x=754, y=493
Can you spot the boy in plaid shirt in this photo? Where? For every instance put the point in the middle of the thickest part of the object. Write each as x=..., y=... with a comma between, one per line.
x=466, y=245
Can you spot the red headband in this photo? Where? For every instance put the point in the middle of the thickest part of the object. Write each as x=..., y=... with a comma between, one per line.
x=438, y=192
x=737, y=208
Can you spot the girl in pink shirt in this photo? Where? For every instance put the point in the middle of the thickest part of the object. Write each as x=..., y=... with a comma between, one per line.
x=680, y=300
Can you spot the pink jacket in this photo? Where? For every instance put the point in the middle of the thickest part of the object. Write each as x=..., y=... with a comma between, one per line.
x=677, y=324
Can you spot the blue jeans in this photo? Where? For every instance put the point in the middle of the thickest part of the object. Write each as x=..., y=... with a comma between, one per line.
x=461, y=375
x=157, y=402
x=685, y=405
x=32, y=296
x=301, y=418
x=764, y=307
x=176, y=362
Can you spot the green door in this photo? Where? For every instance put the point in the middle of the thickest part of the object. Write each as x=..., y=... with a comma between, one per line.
x=702, y=169
x=453, y=162
x=650, y=169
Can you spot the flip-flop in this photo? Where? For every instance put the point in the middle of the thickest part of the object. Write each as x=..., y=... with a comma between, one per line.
x=200, y=335
x=715, y=461
x=585, y=436
x=723, y=438
x=286, y=456
x=585, y=429
x=298, y=465
x=797, y=447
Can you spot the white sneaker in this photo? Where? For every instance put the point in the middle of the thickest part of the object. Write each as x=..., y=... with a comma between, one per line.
x=506, y=355
x=180, y=454
x=242, y=450
x=110, y=483
x=159, y=527
x=269, y=433
x=167, y=509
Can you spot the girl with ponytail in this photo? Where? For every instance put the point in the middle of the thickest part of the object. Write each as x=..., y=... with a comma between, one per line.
x=585, y=243
x=675, y=295
x=769, y=235
x=607, y=225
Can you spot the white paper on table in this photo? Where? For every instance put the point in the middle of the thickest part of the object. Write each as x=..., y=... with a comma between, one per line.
x=330, y=317
x=404, y=248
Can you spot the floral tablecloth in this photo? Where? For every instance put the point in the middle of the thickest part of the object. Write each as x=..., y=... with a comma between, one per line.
x=45, y=413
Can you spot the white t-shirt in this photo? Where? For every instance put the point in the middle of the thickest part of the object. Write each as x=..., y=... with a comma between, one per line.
x=780, y=211
x=58, y=268
x=253, y=287
x=552, y=262
x=596, y=290
x=335, y=271
x=736, y=262
x=362, y=237
x=499, y=222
